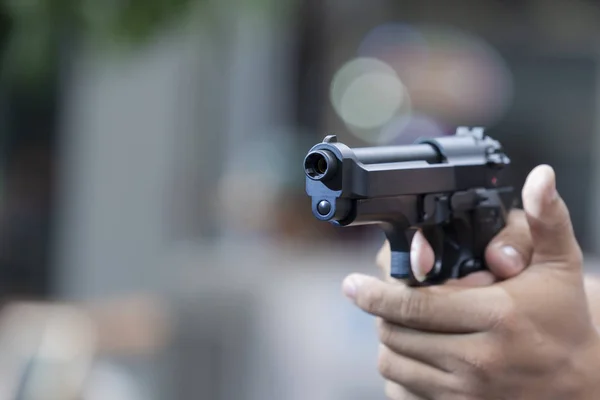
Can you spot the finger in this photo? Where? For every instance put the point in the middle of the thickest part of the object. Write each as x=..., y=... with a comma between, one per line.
x=383, y=260
x=441, y=351
x=393, y=391
x=439, y=309
x=476, y=279
x=417, y=378
x=510, y=251
x=549, y=220
x=422, y=256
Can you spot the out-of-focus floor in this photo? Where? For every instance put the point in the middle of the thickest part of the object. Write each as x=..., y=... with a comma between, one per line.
x=286, y=331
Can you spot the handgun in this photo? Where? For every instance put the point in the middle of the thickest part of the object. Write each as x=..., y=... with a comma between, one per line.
x=448, y=187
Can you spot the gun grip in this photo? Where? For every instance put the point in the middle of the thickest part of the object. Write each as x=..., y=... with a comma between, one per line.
x=400, y=265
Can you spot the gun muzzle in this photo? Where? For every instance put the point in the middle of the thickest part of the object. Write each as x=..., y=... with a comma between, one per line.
x=320, y=165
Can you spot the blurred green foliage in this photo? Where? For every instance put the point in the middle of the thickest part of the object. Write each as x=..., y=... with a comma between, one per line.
x=39, y=28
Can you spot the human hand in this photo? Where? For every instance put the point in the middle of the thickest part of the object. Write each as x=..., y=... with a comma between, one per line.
x=528, y=337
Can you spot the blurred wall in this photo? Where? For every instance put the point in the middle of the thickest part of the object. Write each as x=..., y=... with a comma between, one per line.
x=149, y=140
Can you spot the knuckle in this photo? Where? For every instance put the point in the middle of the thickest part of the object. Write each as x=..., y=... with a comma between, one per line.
x=385, y=363
x=482, y=367
x=487, y=361
x=372, y=299
x=506, y=316
x=412, y=307
x=386, y=332
x=390, y=392
x=563, y=221
x=577, y=256
x=393, y=391
x=561, y=224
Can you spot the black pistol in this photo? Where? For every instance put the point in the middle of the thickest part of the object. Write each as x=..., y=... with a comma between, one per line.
x=447, y=187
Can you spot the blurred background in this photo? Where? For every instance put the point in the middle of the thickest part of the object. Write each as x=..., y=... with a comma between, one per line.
x=155, y=238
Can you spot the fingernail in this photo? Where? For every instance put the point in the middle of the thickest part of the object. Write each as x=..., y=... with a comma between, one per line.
x=419, y=276
x=415, y=252
x=539, y=190
x=351, y=285
x=513, y=257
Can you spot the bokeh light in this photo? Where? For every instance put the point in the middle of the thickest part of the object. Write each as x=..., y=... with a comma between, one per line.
x=356, y=105
x=401, y=46
x=366, y=93
x=449, y=74
x=408, y=129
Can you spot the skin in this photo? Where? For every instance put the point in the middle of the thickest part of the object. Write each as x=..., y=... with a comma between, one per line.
x=524, y=330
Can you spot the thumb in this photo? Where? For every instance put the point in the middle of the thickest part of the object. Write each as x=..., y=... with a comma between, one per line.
x=549, y=221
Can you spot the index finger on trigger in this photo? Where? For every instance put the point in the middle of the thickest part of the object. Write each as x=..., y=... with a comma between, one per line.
x=451, y=310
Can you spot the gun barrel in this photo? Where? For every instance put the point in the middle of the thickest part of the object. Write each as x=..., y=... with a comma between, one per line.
x=391, y=154
x=322, y=164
